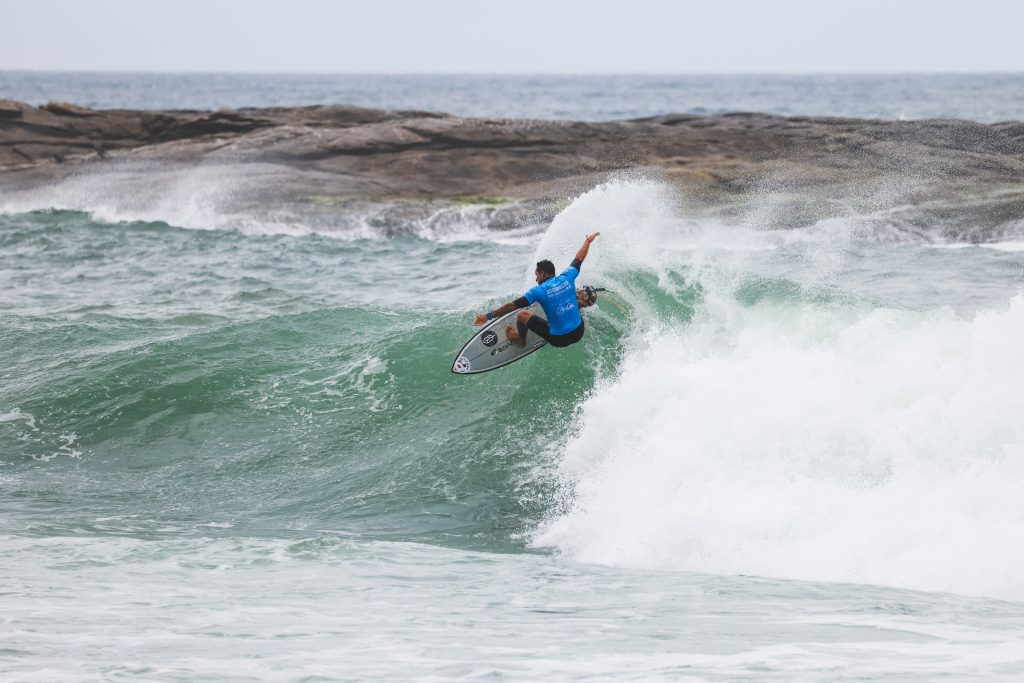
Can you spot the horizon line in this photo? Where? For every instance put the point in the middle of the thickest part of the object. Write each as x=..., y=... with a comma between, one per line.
x=530, y=74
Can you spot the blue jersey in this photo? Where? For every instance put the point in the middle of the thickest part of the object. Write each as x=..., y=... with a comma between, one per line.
x=557, y=296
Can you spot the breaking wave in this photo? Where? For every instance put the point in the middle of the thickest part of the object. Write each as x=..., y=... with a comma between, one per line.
x=792, y=426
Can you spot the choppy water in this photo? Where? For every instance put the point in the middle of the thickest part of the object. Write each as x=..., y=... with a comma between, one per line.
x=231, y=448
x=232, y=455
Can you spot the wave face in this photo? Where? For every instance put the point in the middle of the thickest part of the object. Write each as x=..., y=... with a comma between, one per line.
x=838, y=403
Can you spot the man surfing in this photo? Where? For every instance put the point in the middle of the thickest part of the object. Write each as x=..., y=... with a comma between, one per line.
x=557, y=296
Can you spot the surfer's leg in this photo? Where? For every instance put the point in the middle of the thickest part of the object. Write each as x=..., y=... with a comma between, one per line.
x=539, y=326
x=517, y=335
x=522, y=321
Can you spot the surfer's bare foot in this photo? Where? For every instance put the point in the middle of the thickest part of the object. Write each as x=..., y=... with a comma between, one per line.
x=513, y=336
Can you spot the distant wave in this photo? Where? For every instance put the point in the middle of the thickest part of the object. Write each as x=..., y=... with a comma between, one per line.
x=240, y=197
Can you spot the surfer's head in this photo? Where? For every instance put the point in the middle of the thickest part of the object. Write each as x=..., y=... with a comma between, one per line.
x=545, y=269
x=586, y=297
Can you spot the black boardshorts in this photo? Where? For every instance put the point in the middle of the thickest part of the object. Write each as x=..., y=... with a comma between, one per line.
x=540, y=327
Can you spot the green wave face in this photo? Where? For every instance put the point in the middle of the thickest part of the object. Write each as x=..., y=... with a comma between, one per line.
x=162, y=380
x=158, y=380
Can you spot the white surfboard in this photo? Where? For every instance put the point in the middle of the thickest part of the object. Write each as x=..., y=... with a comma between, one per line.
x=490, y=349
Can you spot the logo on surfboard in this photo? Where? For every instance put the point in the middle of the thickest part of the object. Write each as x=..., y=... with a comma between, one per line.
x=489, y=338
x=461, y=364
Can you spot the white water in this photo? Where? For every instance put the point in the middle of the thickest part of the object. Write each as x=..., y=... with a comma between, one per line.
x=826, y=413
x=330, y=608
x=833, y=440
x=241, y=197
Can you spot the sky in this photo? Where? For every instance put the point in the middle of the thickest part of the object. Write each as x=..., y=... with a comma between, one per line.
x=525, y=36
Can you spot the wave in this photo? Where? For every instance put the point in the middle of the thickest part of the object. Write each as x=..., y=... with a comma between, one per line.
x=788, y=429
x=270, y=199
x=345, y=419
x=997, y=246
x=792, y=403
x=138, y=381
x=245, y=198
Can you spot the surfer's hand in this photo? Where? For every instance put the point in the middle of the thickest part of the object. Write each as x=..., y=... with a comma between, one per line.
x=481, y=318
x=591, y=238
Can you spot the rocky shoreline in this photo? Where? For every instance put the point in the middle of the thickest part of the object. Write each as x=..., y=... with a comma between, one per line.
x=331, y=155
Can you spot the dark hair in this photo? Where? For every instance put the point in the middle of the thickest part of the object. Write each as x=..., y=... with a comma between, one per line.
x=546, y=267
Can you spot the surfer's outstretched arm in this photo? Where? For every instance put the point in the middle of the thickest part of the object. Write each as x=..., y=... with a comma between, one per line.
x=481, y=318
x=582, y=253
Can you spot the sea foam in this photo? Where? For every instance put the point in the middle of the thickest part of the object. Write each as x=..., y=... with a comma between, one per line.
x=794, y=437
x=245, y=198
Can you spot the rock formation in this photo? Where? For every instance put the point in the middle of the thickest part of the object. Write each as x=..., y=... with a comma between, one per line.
x=339, y=153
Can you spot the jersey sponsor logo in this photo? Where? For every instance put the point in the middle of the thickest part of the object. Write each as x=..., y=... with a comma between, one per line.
x=461, y=364
x=557, y=288
x=489, y=338
x=565, y=308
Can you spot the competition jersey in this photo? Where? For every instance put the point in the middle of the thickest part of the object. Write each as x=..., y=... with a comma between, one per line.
x=557, y=296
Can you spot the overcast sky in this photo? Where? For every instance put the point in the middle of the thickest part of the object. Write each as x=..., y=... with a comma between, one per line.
x=520, y=36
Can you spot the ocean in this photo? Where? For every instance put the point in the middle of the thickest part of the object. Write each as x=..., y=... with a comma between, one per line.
x=232, y=449
x=978, y=97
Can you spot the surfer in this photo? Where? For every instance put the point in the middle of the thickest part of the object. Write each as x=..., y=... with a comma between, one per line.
x=557, y=296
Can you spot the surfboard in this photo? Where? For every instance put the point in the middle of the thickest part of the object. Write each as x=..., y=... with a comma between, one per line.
x=489, y=349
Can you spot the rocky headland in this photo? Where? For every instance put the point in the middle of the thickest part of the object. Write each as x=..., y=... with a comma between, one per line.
x=810, y=168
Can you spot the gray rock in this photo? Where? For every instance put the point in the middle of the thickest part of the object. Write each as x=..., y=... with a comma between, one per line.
x=718, y=162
